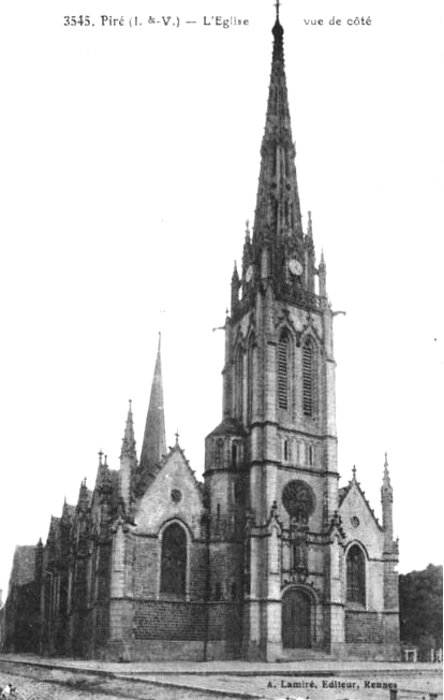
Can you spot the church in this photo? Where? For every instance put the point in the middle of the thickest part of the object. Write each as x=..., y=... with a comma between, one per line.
x=267, y=558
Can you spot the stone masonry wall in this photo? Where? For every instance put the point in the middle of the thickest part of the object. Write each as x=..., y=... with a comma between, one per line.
x=364, y=627
x=168, y=620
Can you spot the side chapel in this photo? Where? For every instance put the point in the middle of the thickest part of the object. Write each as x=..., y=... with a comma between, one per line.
x=267, y=558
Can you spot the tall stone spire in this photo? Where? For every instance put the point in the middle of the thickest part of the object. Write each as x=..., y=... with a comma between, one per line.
x=154, y=441
x=278, y=211
x=279, y=253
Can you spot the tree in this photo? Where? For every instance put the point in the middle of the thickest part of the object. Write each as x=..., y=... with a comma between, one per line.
x=420, y=603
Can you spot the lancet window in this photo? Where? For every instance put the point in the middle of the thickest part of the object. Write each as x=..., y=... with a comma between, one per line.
x=174, y=561
x=356, y=575
x=239, y=383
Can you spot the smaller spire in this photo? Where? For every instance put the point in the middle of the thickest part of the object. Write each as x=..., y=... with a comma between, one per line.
x=322, y=261
x=177, y=437
x=100, y=457
x=354, y=472
x=154, y=441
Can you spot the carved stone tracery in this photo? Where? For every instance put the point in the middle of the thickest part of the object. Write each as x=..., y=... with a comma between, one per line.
x=298, y=500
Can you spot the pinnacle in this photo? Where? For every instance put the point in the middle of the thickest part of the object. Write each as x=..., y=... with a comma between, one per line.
x=129, y=442
x=386, y=477
x=310, y=225
x=83, y=494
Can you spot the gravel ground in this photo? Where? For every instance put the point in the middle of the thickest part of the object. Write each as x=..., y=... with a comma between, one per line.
x=39, y=684
x=34, y=683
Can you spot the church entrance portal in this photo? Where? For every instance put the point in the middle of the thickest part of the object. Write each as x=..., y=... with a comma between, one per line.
x=296, y=619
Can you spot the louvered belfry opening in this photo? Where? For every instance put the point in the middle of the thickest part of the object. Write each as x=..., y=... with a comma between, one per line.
x=307, y=378
x=283, y=370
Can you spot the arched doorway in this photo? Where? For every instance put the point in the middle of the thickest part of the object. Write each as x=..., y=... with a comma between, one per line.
x=296, y=619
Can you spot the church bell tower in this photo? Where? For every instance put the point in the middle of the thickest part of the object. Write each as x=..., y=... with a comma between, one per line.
x=271, y=465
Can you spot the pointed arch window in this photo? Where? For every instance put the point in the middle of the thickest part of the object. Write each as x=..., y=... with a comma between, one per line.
x=307, y=377
x=250, y=376
x=356, y=575
x=174, y=561
x=234, y=454
x=220, y=453
x=283, y=371
x=239, y=383
x=286, y=450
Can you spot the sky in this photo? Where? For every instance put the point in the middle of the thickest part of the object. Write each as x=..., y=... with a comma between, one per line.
x=129, y=166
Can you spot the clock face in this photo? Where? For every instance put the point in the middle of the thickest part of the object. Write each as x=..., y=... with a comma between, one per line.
x=295, y=267
x=249, y=273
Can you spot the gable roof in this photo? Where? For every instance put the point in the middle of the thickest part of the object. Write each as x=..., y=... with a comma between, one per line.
x=345, y=490
x=146, y=479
